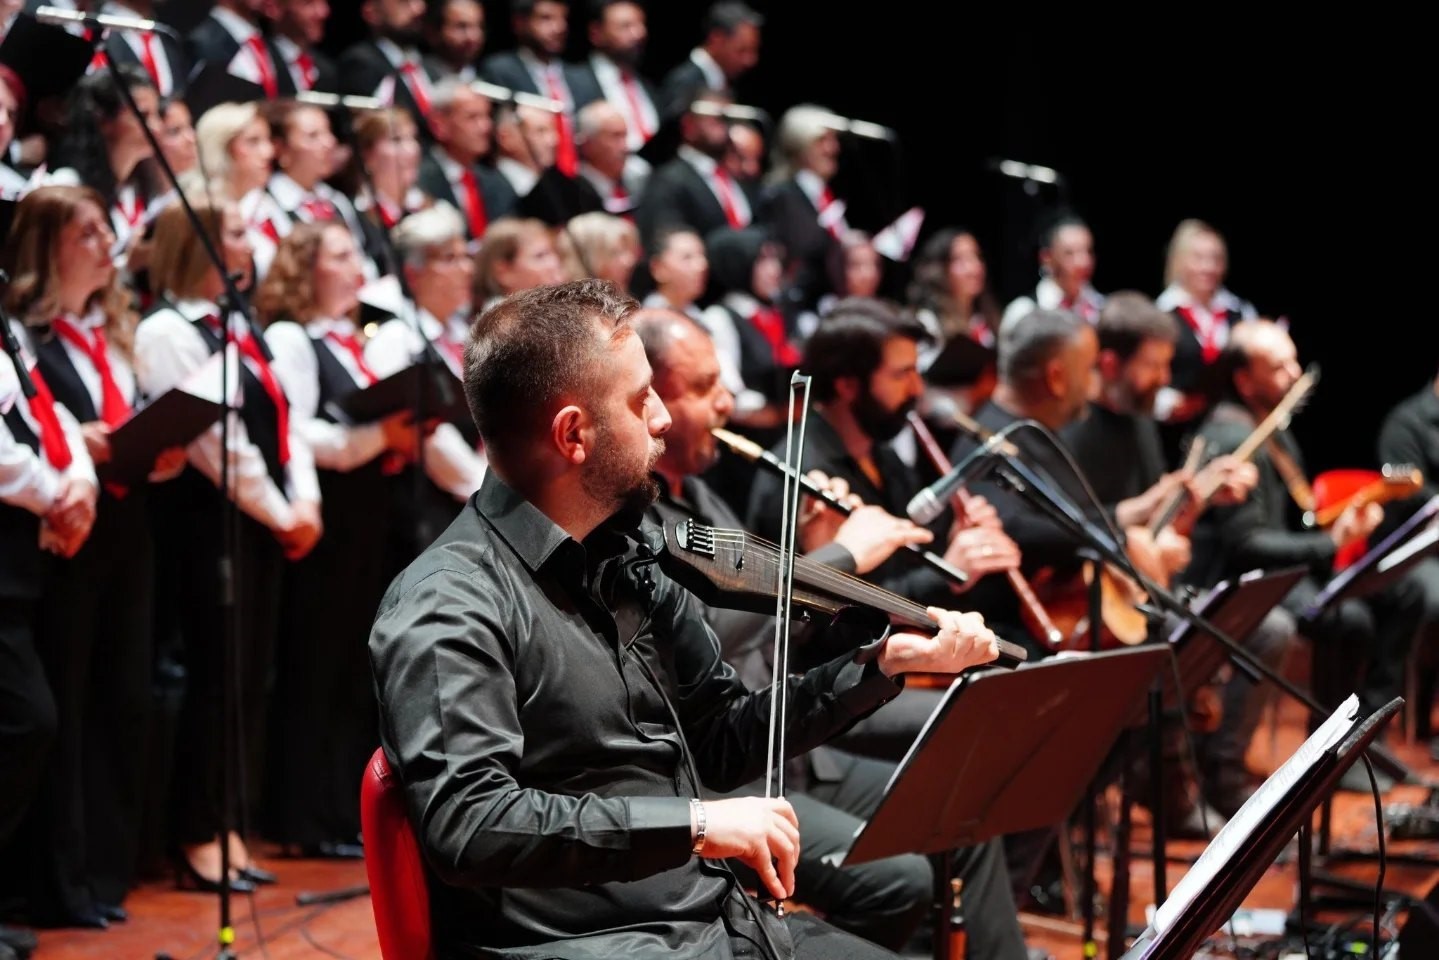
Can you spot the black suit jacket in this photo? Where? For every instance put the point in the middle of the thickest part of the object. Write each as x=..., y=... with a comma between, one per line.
x=118, y=50
x=556, y=198
x=495, y=190
x=212, y=43
x=793, y=221
x=364, y=67
x=679, y=88
x=585, y=86
x=677, y=195
x=508, y=70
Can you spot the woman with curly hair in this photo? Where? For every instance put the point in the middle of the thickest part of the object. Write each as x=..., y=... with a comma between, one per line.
x=324, y=701
x=95, y=616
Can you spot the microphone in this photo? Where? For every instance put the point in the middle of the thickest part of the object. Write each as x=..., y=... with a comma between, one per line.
x=316, y=98
x=99, y=21
x=518, y=97
x=1025, y=171
x=859, y=128
x=729, y=111
x=932, y=500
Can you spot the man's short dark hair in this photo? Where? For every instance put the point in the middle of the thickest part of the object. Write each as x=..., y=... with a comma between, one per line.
x=524, y=8
x=1128, y=319
x=534, y=347
x=435, y=11
x=1028, y=343
x=850, y=342
x=727, y=17
x=1050, y=233
x=598, y=8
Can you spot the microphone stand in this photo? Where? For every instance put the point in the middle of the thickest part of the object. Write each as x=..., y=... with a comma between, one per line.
x=232, y=302
x=1015, y=475
x=12, y=345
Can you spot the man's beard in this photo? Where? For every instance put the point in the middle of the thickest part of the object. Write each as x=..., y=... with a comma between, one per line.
x=879, y=424
x=628, y=487
x=628, y=57
x=410, y=36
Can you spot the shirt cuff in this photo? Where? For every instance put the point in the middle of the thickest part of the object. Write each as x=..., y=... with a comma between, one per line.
x=659, y=832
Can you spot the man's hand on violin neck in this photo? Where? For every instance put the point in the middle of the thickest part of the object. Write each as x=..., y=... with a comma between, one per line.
x=963, y=641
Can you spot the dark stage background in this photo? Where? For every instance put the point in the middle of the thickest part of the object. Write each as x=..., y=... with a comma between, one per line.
x=1296, y=140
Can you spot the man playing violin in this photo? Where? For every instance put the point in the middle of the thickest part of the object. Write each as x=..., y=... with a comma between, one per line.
x=552, y=702
x=833, y=792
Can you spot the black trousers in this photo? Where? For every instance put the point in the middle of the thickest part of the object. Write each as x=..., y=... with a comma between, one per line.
x=95, y=629
x=324, y=714
x=884, y=901
x=202, y=750
x=27, y=714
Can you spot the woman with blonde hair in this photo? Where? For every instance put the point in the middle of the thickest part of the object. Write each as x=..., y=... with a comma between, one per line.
x=95, y=616
x=801, y=210
x=324, y=703
x=515, y=255
x=600, y=245
x=271, y=481
x=1194, y=270
x=237, y=158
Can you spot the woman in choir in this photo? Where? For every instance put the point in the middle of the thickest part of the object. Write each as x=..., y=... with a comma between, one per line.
x=751, y=338
x=12, y=108
x=386, y=168
x=96, y=614
x=801, y=209
x=304, y=157
x=104, y=147
x=1195, y=293
x=276, y=499
x=324, y=702
x=600, y=245
x=237, y=158
x=516, y=255
x=680, y=270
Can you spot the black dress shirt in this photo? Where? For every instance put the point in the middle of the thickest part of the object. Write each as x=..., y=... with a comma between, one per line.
x=1410, y=435
x=1120, y=453
x=529, y=686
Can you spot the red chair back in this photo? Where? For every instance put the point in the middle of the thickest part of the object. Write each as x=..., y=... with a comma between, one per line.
x=399, y=891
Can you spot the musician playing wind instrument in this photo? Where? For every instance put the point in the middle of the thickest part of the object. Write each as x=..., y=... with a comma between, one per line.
x=551, y=700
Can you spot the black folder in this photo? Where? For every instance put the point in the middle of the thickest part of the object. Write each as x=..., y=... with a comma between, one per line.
x=962, y=361
x=437, y=391
x=172, y=420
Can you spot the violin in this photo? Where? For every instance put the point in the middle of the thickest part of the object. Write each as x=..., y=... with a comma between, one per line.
x=737, y=570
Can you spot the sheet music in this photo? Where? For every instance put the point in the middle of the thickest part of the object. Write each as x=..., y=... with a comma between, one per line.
x=1416, y=544
x=1255, y=811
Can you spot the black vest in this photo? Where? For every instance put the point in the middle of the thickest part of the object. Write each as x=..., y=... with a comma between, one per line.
x=22, y=563
x=61, y=376
x=757, y=365
x=261, y=418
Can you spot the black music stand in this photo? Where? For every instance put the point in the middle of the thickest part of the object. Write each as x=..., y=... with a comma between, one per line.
x=1235, y=860
x=1005, y=752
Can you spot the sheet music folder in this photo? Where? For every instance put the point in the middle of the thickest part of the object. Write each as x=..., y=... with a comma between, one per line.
x=1236, y=607
x=172, y=420
x=400, y=391
x=1007, y=751
x=960, y=362
x=1238, y=856
x=1381, y=565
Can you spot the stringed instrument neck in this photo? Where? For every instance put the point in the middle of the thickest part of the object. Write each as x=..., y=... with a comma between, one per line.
x=1396, y=481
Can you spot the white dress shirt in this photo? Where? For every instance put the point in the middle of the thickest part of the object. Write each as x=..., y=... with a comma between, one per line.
x=706, y=167
x=612, y=85
x=27, y=480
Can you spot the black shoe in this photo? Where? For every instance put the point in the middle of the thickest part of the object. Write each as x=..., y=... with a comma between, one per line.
x=333, y=850
x=188, y=878
x=19, y=943
x=113, y=912
x=258, y=875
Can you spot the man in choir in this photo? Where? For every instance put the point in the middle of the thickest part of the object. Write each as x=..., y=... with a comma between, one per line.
x=1368, y=638
x=455, y=30
x=801, y=210
x=618, y=33
x=696, y=189
x=730, y=50
x=299, y=28
x=388, y=64
x=833, y=792
x=745, y=158
x=603, y=134
x=535, y=66
x=161, y=55
x=1066, y=265
x=451, y=170
x=525, y=644
x=232, y=35
x=525, y=143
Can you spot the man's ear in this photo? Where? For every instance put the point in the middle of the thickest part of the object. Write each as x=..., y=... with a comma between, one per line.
x=1055, y=381
x=569, y=435
x=847, y=389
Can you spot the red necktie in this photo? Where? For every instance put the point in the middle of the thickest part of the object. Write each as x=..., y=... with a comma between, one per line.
x=726, y=195
x=352, y=346
x=632, y=94
x=389, y=215
x=416, y=82
x=52, y=436
x=567, y=160
x=1208, y=333
x=769, y=321
x=308, y=73
x=264, y=65
x=825, y=199
x=455, y=350
x=474, y=204
x=320, y=210
x=147, y=60
x=249, y=348
x=114, y=408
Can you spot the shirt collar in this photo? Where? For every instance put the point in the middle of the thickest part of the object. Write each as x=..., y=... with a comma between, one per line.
x=322, y=326
x=288, y=48
x=394, y=54
x=534, y=537
x=810, y=184
x=703, y=165
x=1175, y=296
x=714, y=76
x=234, y=24
x=287, y=193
